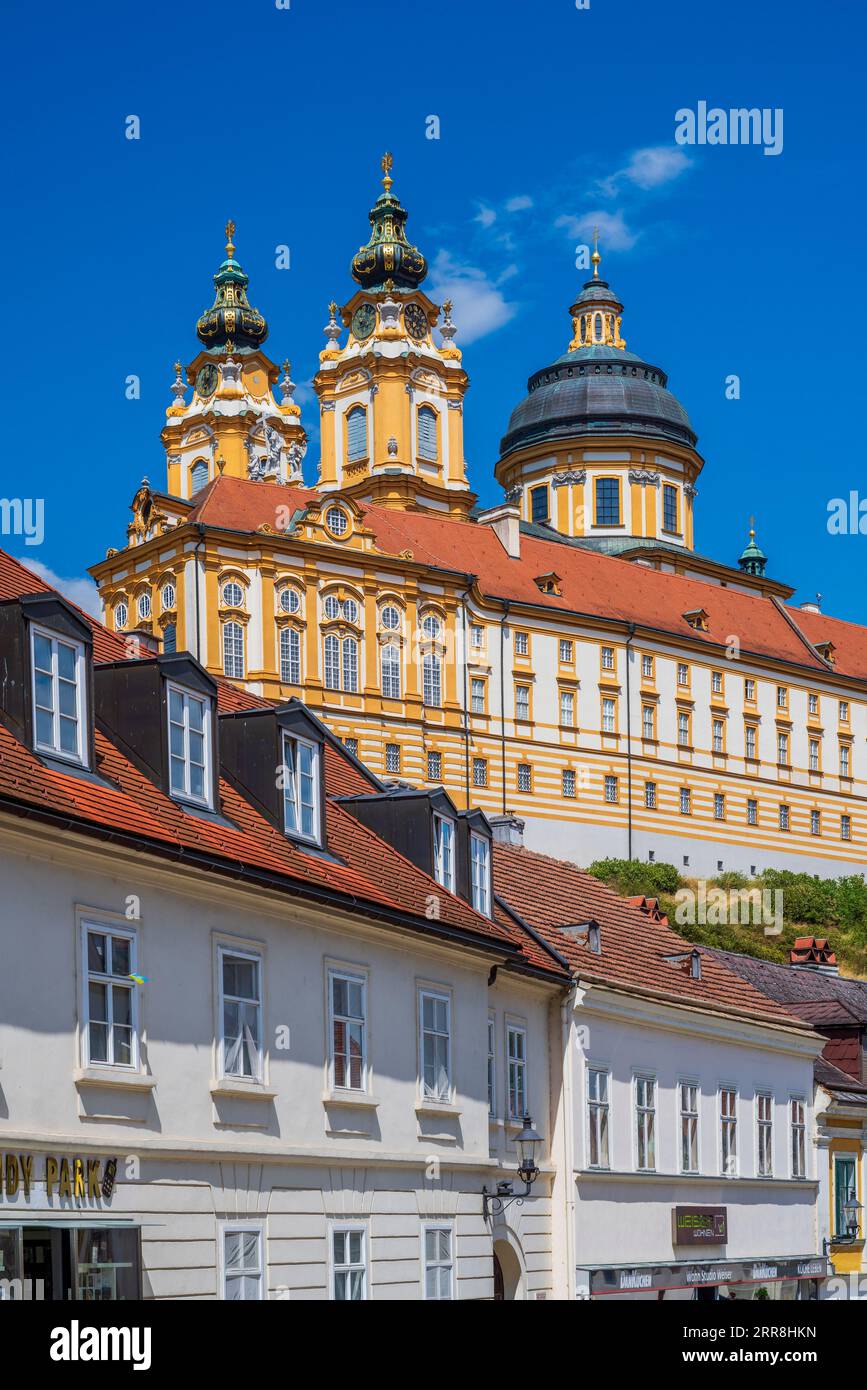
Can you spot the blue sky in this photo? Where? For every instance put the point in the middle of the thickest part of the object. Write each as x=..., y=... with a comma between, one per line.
x=729, y=261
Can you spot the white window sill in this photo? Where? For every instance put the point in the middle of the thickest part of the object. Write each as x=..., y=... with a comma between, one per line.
x=241, y=1089
x=428, y=1106
x=115, y=1077
x=359, y=1100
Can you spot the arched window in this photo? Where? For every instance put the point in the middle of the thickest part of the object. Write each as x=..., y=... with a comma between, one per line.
x=121, y=614
x=356, y=434
x=233, y=595
x=583, y=329
x=290, y=656
x=350, y=664
x=391, y=671
x=432, y=683
x=233, y=651
x=144, y=605
x=170, y=638
x=427, y=433
x=430, y=626
x=597, y=328
x=198, y=476
x=168, y=596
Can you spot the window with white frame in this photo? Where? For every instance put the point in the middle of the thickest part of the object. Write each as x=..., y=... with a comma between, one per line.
x=349, y=654
x=749, y=690
x=444, y=851
x=718, y=736
x=110, y=1003
x=784, y=817
x=434, y=767
x=688, y=1126
x=682, y=673
x=290, y=600
x=683, y=729
x=480, y=860
x=189, y=718
x=567, y=708
x=341, y=663
x=390, y=664
x=233, y=594
x=168, y=596
x=647, y=722
x=598, y=1082
x=241, y=1014
x=813, y=703
x=752, y=811
x=609, y=722
x=121, y=615
x=782, y=749
x=477, y=636
x=300, y=775
x=764, y=1135
x=432, y=680
x=59, y=699
x=608, y=658
x=845, y=827
x=566, y=651
x=750, y=731
x=815, y=822
x=348, y=1264
x=845, y=760
x=477, y=695
x=814, y=755
x=492, y=1065
x=356, y=434
x=233, y=651
x=645, y=1123
x=290, y=656
x=427, y=433
x=650, y=795
x=611, y=789
x=719, y=806
x=438, y=1262
x=522, y=702
x=144, y=606
x=435, y=1045
x=685, y=801
x=798, y=1134
x=782, y=697
x=347, y=1005
x=243, y=1266
x=516, y=1070
x=646, y=667
x=389, y=616
x=522, y=644
x=716, y=682
x=728, y=1131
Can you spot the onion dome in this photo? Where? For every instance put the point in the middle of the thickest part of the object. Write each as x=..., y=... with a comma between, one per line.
x=230, y=322
x=752, y=560
x=388, y=256
x=597, y=387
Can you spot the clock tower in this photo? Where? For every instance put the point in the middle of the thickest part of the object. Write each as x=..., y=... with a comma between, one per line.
x=391, y=395
x=234, y=423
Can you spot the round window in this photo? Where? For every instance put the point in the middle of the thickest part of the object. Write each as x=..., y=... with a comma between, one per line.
x=144, y=606
x=350, y=610
x=168, y=596
x=336, y=521
x=332, y=607
x=120, y=615
x=390, y=617
x=431, y=626
x=290, y=600
x=232, y=595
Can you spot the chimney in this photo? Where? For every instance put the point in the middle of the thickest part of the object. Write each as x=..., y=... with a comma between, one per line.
x=508, y=830
x=811, y=605
x=814, y=953
x=505, y=521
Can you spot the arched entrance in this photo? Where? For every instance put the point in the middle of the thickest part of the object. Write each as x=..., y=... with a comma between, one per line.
x=508, y=1282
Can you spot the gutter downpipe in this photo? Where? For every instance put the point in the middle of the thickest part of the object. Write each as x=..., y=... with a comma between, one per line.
x=567, y=1009
x=506, y=607
x=629, y=640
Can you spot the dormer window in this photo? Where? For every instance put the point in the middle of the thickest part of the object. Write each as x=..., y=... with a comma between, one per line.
x=444, y=852
x=190, y=770
x=697, y=619
x=301, y=788
x=480, y=865
x=59, y=704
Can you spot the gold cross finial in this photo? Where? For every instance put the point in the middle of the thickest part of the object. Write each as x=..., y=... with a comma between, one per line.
x=752, y=528
x=387, y=164
x=596, y=258
x=332, y=308
x=230, y=232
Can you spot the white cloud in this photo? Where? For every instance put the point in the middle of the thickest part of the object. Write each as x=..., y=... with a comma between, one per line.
x=480, y=308
x=519, y=204
x=485, y=215
x=648, y=168
x=82, y=592
x=613, y=231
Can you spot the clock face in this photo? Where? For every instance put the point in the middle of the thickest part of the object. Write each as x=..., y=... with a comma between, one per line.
x=416, y=322
x=206, y=381
x=364, y=321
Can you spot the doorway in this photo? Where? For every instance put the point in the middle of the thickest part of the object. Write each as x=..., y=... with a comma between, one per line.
x=508, y=1283
x=46, y=1264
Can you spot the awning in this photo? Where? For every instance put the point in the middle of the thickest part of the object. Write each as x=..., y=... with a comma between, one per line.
x=619, y=1279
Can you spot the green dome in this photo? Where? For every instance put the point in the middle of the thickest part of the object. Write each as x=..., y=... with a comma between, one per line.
x=230, y=321
x=388, y=259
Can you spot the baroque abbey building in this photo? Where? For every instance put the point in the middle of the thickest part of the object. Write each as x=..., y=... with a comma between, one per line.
x=566, y=656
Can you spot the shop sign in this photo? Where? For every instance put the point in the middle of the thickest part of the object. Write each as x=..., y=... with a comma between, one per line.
x=699, y=1225
x=75, y=1179
x=685, y=1275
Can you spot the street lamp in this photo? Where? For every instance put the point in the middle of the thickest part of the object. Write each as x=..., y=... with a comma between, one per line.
x=493, y=1203
x=850, y=1207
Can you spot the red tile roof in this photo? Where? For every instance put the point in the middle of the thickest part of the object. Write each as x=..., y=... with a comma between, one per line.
x=551, y=895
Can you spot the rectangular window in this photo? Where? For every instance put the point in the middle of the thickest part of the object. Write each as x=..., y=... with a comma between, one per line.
x=189, y=746
x=718, y=736
x=477, y=695
x=682, y=673
x=111, y=1004
x=750, y=731
x=843, y=711
x=688, y=1127
x=432, y=685
x=480, y=864
x=609, y=721
x=607, y=502
x=392, y=757
x=567, y=708
x=845, y=1190
x=845, y=827
x=566, y=650
x=480, y=772
x=669, y=507
x=647, y=722
x=650, y=795
x=719, y=806
x=492, y=1066
x=243, y=1267
x=782, y=697
x=647, y=667
x=784, y=817
x=749, y=691
x=348, y=1264
x=685, y=801
x=798, y=1128
x=815, y=823
x=347, y=1003
x=356, y=434
x=522, y=702
x=752, y=811
x=845, y=760
x=331, y=647
x=241, y=1014
x=783, y=749
x=813, y=704
x=597, y=1117
x=444, y=852
x=516, y=1060
x=683, y=730
x=716, y=682
x=435, y=1019
x=290, y=656
x=522, y=644
x=568, y=783
x=477, y=636
x=301, y=787
x=765, y=1135
x=728, y=1120
x=438, y=1262
x=525, y=777
x=607, y=658
x=58, y=696
x=350, y=664
x=814, y=755
x=233, y=651
x=390, y=671
x=427, y=433
x=610, y=789
x=351, y=746
x=539, y=503
x=645, y=1123
x=434, y=767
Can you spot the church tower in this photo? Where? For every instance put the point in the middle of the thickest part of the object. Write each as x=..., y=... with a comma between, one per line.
x=233, y=424
x=391, y=397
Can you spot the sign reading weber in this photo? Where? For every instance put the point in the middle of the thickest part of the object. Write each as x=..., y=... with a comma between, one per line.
x=699, y=1225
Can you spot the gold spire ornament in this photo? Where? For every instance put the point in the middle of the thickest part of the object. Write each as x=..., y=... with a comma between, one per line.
x=596, y=258
x=230, y=232
x=387, y=164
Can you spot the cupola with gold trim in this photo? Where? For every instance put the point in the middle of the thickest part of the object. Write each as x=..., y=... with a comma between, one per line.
x=388, y=258
x=231, y=322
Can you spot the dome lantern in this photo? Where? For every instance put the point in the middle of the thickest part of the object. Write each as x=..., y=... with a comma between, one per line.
x=231, y=323
x=388, y=256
